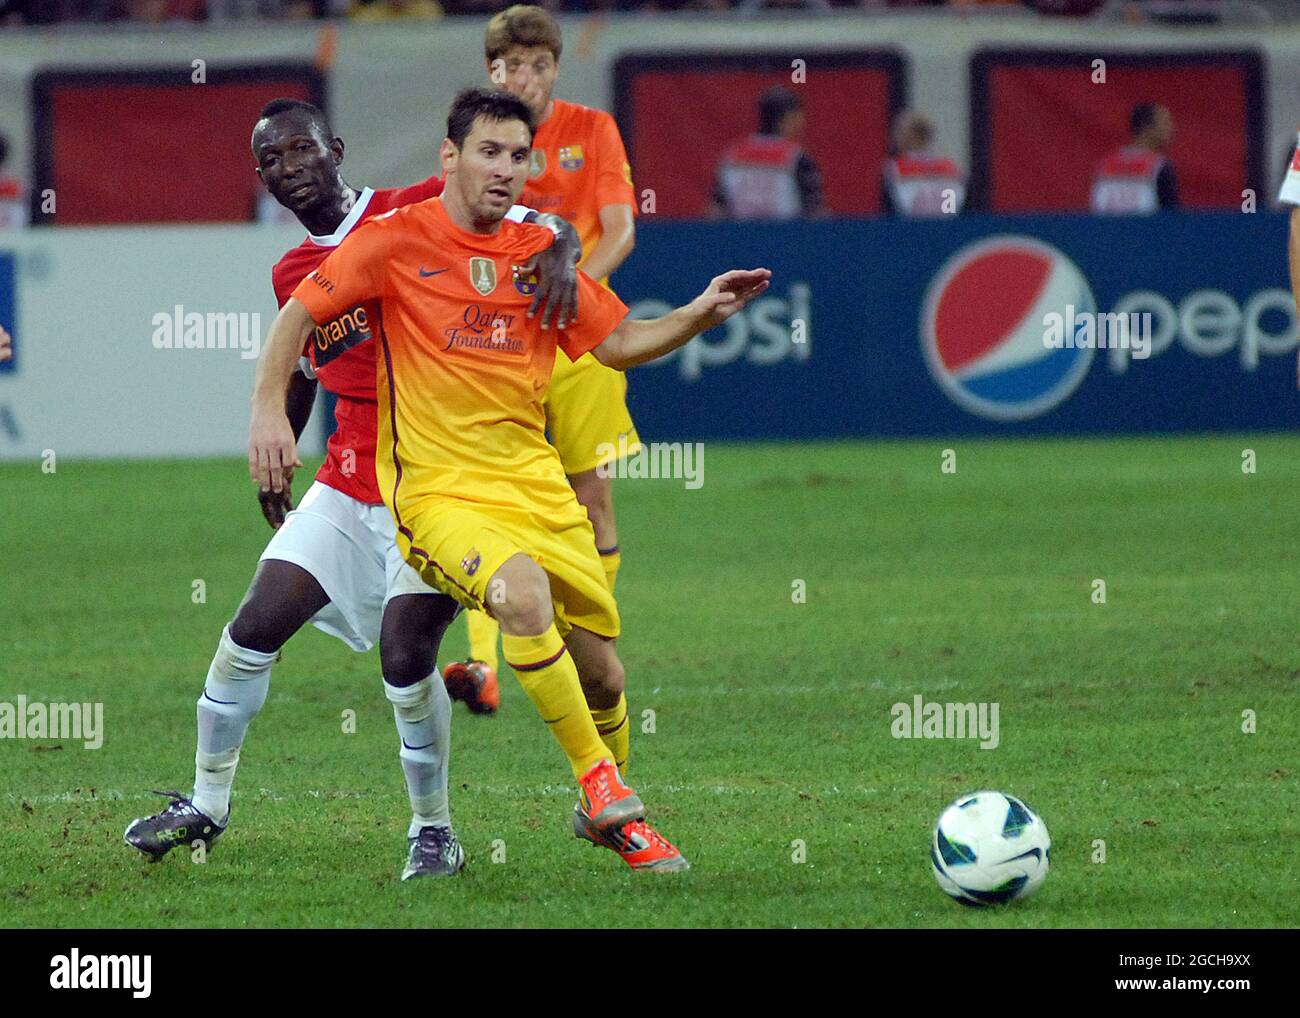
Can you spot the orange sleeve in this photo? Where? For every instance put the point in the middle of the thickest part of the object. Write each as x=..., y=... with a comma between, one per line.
x=613, y=173
x=354, y=272
x=599, y=312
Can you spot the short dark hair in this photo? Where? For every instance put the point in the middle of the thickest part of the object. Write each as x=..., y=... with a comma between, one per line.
x=774, y=104
x=317, y=116
x=4, y=148
x=491, y=103
x=1142, y=117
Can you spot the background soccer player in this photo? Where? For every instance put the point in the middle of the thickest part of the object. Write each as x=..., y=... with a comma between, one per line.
x=479, y=497
x=578, y=169
x=333, y=561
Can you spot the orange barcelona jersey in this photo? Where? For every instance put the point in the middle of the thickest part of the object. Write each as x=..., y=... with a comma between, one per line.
x=578, y=167
x=461, y=369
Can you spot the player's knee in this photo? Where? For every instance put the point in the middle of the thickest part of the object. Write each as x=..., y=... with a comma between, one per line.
x=253, y=630
x=527, y=611
x=519, y=596
x=405, y=661
x=603, y=682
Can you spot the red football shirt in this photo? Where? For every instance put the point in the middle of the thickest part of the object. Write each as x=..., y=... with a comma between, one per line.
x=339, y=351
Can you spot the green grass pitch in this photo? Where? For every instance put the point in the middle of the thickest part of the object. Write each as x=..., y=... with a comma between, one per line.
x=1119, y=722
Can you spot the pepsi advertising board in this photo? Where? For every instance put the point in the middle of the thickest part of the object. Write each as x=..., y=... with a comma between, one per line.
x=974, y=325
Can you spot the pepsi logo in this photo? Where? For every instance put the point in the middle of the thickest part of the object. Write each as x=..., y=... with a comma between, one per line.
x=983, y=326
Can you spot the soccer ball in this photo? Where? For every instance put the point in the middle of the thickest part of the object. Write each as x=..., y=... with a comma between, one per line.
x=990, y=848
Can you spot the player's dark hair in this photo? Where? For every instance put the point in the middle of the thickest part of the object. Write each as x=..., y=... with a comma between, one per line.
x=314, y=113
x=522, y=25
x=4, y=148
x=1142, y=117
x=493, y=104
x=773, y=105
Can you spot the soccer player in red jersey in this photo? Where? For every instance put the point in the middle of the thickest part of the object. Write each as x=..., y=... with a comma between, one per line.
x=334, y=560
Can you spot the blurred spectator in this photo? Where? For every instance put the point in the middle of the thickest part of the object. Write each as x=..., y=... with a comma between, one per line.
x=13, y=201
x=1137, y=178
x=385, y=10
x=917, y=181
x=162, y=12
x=769, y=175
x=286, y=10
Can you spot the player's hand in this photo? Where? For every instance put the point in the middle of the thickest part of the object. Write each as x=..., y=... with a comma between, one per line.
x=728, y=293
x=276, y=505
x=557, y=275
x=6, y=345
x=272, y=451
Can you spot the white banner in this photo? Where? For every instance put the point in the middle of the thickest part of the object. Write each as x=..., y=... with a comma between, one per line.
x=137, y=341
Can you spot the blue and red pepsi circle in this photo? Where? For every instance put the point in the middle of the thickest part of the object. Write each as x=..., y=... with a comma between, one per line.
x=984, y=327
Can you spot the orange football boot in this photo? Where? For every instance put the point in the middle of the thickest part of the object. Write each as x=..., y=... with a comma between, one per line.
x=637, y=844
x=475, y=683
x=606, y=802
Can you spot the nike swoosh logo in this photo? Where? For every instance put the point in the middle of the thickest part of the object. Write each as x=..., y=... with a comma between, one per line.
x=226, y=703
x=409, y=746
x=426, y=275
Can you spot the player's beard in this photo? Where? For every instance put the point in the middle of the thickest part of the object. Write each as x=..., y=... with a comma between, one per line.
x=485, y=212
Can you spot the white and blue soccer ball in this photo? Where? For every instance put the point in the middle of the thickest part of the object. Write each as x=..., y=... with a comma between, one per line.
x=990, y=848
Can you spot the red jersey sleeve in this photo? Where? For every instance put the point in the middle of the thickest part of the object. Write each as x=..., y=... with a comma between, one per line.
x=356, y=271
x=422, y=191
x=599, y=312
x=282, y=282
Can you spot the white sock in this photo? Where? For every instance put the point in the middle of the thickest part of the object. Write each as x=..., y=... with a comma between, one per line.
x=234, y=692
x=423, y=715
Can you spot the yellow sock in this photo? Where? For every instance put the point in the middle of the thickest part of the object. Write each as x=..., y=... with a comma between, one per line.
x=614, y=731
x=549, y=677
x=611, y=560
x=483, y=631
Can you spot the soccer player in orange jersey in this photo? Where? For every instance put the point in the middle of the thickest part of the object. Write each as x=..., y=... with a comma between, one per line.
x=480, y=500
x=578, y=169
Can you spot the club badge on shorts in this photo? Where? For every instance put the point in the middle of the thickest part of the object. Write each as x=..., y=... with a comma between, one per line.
x=470, y=563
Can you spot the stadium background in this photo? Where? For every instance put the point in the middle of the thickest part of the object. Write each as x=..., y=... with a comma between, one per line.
x=1121, y=723
x=112, y=121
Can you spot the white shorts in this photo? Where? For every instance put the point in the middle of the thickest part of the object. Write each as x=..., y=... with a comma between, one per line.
x=351, y=550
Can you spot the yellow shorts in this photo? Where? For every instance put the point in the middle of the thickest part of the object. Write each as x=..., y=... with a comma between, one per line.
x=457, y=548
x=586, y=414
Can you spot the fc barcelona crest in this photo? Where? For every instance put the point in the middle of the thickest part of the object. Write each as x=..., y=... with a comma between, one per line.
x=483, y=274
x=536, y=162
x=525, y=282
x=571, y=157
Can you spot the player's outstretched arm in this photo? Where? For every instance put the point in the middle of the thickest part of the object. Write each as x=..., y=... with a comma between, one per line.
x=272, y=450
x=6, y=345
x=635, y=342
